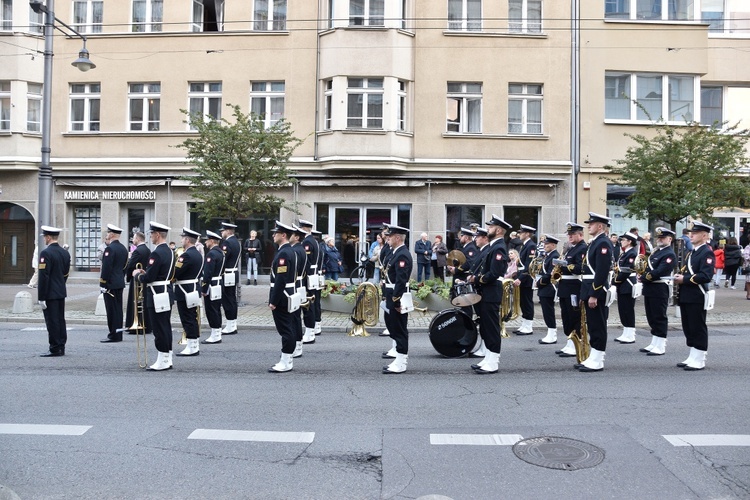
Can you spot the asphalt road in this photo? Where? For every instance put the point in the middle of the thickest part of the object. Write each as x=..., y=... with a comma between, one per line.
x=336, y=428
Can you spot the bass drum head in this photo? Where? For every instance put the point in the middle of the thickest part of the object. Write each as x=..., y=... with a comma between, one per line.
x=453, y=333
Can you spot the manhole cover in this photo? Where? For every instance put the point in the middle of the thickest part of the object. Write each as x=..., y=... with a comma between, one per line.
x=558, y=453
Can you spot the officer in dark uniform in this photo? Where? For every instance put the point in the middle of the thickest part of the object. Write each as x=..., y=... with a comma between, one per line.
x=54, y=267
x=547, y=291
x=625, y=281
x=459, y=270
x=481, y=242
x=187, y=274
x=398, y=272
x=594, y=286
x=112, y=281
x=300, y=287
x=569, y=287
x=282, y=285
x=158, y=280
x=312, y=256
x=385, y=254
x=488, y=277
x=319, y=268
x=213, y=269
x=657, y=289
x=525, y=281
x=694, y=281
x=139, y=255
x=233, y=253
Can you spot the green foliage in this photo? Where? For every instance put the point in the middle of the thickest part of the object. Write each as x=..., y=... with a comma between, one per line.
x=682, y=171
x=425, y=288
x=239, y=166
x=337, y=288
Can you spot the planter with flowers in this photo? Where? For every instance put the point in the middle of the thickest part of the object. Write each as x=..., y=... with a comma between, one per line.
x=432, y=294
x=337, y=297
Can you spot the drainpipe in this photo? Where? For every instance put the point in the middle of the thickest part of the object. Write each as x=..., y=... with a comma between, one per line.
x=575, y=108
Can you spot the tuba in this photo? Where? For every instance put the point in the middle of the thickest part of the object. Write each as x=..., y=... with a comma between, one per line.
x=535, y=266
x=581, y=338
x=510, y=307
x=365, y=312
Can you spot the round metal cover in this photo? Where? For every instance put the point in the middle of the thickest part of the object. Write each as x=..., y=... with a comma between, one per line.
x=558, y=453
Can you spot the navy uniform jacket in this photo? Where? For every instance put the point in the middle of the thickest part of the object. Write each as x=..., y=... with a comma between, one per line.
x=661, y=264
x=493, y=269
x=301, y=263
x=598, y=261
x=623, y=279
x=698, y=270
x=233, y=251
x=54, y=267
x=160, y=269
x=471, y=252
x=574, y=257
x=140, y=255
x=399, y=271
x=312, y=251
x=282, y=274
x=525, y=256
x=189, y=266
x=213, y=266
x=544, y=287
x=114, y=260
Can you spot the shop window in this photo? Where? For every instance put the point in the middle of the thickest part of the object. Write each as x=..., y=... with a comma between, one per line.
x=88, y=237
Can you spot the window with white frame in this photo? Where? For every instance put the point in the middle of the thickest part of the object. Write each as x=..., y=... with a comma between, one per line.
x=525, y=16
x=85, y=101
x=88, y=15
x=267, y=101
x=328, y=99
x=144, y=103
x=712, y=99
x=6, y=11
x=208, y=15
x=36, y=21
x=147, y=15
x=4, y=105
x=617, y=9
x=34, y=107
x=525, y=108
x=651, y=10
x=730, y=104
x=464, y=108
x=205, y=100
x=366, y=12
x=269, y=15
x=401, y=112
x=649, y=97
x=465, y=15
x=364, y=103
x=726, y=16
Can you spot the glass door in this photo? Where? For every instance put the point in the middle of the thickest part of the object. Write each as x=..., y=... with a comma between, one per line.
x=354, y=229
x=138, y=216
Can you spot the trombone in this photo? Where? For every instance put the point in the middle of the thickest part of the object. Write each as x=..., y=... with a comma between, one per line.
x=139, y=320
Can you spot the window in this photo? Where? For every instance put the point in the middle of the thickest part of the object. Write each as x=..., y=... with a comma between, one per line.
x=328, y=97
x=464, y=108
x=711, y=105
x=465, y=15
x=144, y=106
x=87, y=15
x=147, y=15
x=649, y=91
x=401, y=113
x=85, y=99
x=617, y=9
x=269, y=15
x=366, y=12
x=205, y=99
x=34, y=107
x=651, y=10
x=88, y=237
x=267, y=101
x=458, y=216
x=36, y=21
x=525, y=108
x=525, y=16
x=6, y=11
x=364, y=103
x=4, y=105
x=725, y=104
x=726, y=16
x=208, y=15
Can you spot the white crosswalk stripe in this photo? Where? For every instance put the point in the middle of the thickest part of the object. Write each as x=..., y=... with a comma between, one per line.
x=476, y=439
x=47, y=430
x=260, y=436
x=708, y=439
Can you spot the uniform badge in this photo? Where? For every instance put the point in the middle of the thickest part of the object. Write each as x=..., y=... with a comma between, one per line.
x=281, y=269
x=499, y=256
x=604, y=251
x=106, y=254
x=709, y=261
x=631, y=260
x=471, y=253
x=532, y=252
x=41, y=260
x=282, y=262
x=401, y=263
x=179, y=260
x=669, y=260
x=208, y=259
x=150, y=261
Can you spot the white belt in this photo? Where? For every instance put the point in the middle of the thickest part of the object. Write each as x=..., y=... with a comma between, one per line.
x=588, y=276
x=159, y=283
x=216, y=278
x=570, y=277
x=232, y=270
x=390, y=285
x=186, y=282
x=288, y=285
x=314, y=267
x=662, y=280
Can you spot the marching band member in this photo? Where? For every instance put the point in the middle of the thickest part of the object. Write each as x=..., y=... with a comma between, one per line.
x=319, y=263
x=657, y=289
x=54, y=267
x=694, y=281
x=383, y=257
x=300, y=279
x=569, y=287
x=233, y=253
x=213, y=266
x=312, y=256
x=524, y=280
x=139, y=255
x=397, y=274
x=157, y=278
x=481, y=243
x=283, y=279
x=547, y=291
x=187, y=275
x=594, y=287
x=461, y=271
x=625, y=281
x=112, y=281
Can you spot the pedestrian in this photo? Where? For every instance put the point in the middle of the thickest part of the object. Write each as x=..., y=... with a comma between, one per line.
x=515, y=242
x=54, y=267
x=513, y=264
x=253, y=252
x=332, y=264
x=374, y=256
x=187, y=275
x=283, y=279
x=656, y=290
x=437, y=259
x=112, y=281
x=719, y=263
x=397, y=284
x=732, y=261
x=686, y=238
x=616, y=245
x=423, y=250
x=35, y=265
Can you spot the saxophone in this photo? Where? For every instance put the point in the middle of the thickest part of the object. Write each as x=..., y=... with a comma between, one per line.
x=556, y=274
x=581, y=338
x=365, y=312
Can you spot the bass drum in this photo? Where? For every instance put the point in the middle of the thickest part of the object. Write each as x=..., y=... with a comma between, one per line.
x=453, y=333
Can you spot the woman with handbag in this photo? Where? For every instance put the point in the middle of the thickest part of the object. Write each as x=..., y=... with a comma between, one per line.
x=439, y=251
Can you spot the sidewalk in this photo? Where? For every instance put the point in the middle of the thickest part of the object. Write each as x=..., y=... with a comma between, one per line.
x=731, y=309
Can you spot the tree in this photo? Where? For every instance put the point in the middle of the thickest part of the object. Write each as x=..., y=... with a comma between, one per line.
x=240, y=166
x=682, y=171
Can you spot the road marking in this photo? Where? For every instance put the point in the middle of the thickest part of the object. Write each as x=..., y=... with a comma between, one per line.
x=476, y=439
x=41, y=429
x=708, y=439
x=264, y=436
x=40, y=329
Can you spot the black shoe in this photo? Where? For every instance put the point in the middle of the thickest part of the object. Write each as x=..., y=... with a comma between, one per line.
x=385, y=355
x=255, y=282
x=383, y=334
x=643, y=349
x=248, y=282
x=520, y=333
x=51, y=354
x=476, y=367
x=566, y=355
x=233, y=332
x=483, y=372
x=691, y=369
x=652, y=353
x=308, y=342
x=623, y=342
x=109, y=339
x=194, y=354
x=547, y=343
x=210, y=343
x=474, y=355
x=587, y=369
x=577, y=366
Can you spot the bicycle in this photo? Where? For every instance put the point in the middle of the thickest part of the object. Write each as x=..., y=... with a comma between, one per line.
x=359, y=273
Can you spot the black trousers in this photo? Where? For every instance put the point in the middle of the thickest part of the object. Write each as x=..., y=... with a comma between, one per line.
x=229, y=301
x=571, y=316
x=317, y=306
x=548, y=311
x=190, y=319
x=130, y=310
x=298, y=333
x=162, y=324
x=284, y=322
x=489, y=324
x=626, y=308
x=54, y=318
x=397, y=325
x=596, y=322
x=656, y=315
x=694, y=326
x=113, y=306
x=527, y=302
x=308, y=315
x=213, y=312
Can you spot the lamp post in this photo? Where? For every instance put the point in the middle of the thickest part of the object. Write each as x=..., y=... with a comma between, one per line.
x=44, y=206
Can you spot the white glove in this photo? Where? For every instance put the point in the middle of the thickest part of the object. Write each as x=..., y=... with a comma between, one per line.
x=103, y=290
x=43, y=304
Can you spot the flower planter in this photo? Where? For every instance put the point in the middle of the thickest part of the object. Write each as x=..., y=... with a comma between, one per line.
x=336, y=303
x=435, y=303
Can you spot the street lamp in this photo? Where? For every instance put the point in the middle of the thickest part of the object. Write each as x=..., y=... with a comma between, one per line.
x=83, y=63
